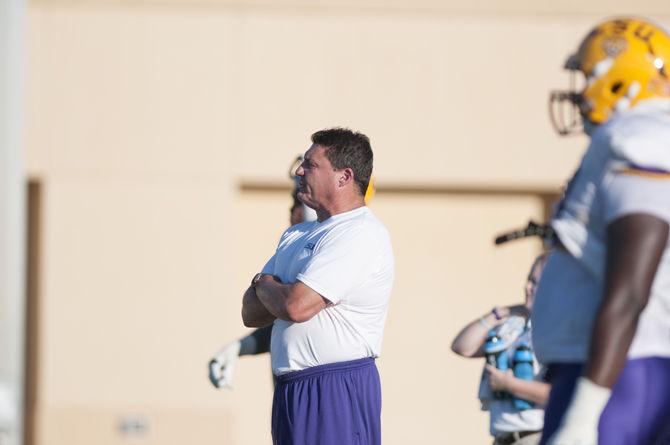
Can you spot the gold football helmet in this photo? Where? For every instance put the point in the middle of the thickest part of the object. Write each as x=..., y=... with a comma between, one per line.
x=623, y=61
x=370, y=192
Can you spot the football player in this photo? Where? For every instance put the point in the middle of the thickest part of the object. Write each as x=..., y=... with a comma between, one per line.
x=601, y=320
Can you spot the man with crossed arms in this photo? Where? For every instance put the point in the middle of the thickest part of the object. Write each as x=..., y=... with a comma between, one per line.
x=327, y=289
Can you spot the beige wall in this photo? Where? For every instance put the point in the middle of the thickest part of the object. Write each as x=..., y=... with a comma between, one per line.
x=161, y=133
x=141, y=90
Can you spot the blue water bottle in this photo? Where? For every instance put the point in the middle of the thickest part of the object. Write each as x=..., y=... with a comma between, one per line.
x=523, y=370
x=496, y=355
x=491, y=347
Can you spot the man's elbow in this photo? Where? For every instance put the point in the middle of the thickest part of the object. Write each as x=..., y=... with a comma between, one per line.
x=297, y=313
x=628, y=306
x=249, y=321
x=301, y=304
x=297, y=316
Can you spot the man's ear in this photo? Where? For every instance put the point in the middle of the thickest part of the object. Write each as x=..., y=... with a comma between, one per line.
x=346, y=176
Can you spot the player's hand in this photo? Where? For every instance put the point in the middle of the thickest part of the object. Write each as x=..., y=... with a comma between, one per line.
x=580, y=421
x=222, y=365
x=572, y=434
x=499, y=380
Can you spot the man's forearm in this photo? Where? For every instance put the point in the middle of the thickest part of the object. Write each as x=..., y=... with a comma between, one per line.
x=254, y=313
x=273, y=296
x=469, y=342
x=296, y=302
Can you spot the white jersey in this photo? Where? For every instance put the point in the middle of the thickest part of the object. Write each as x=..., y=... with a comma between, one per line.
x=348, y=260
x=626, y=170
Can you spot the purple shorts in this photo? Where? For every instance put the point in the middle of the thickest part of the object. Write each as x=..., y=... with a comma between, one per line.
x=638, y=413
x=334, y=404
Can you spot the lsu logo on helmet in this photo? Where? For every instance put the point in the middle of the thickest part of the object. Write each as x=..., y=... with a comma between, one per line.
x=623, y=61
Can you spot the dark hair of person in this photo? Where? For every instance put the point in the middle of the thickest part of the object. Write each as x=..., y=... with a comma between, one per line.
x=347, y=149
x=294, y=197
x=539, y=262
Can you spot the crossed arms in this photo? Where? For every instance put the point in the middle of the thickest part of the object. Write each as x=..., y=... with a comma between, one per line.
x=270, y=299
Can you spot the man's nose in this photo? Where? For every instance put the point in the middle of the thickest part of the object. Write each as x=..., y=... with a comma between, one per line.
x=300, y=171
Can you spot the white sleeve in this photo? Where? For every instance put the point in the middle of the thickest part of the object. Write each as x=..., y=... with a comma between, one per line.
x=628, y=193
x=269, y=267
x=341, y=262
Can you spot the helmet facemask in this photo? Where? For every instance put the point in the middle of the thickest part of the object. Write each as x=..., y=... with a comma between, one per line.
x=565, y=106
x=622, y=62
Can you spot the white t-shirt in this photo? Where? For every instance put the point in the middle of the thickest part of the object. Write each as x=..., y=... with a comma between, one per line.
x=348, y=260
x=572, y=283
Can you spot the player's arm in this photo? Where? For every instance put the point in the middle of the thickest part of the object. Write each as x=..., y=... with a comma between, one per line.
x=635, y=244
x=291, y=302
x=531, y=390
x=258, y=342
x=469, y=342
x=254, y=313
x=222, y=365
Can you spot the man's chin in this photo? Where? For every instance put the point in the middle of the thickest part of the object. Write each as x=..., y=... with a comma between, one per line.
x=303, y=197
x=308, y=202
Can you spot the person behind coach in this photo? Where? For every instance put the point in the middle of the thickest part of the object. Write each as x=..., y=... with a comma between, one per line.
x=509, y=423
